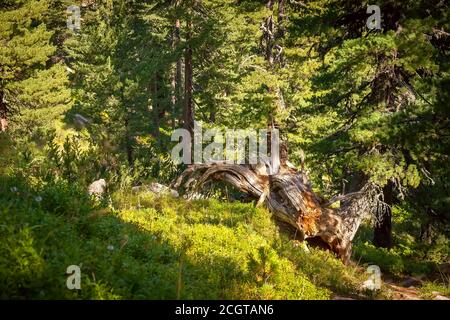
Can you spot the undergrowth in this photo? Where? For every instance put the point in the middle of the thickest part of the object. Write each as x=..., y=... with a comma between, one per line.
x=149, y=247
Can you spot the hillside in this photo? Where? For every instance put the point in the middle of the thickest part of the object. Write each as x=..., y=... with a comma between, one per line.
x=146, y=246
x=166, y=249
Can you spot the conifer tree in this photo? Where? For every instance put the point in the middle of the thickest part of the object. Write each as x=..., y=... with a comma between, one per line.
x=28, y=76
x=375, y=95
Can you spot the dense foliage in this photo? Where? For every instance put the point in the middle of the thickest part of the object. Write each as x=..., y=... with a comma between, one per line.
x=354, y=104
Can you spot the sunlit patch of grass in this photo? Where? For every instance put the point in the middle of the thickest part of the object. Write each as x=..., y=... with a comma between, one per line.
x=146, y=246
x=429, y=290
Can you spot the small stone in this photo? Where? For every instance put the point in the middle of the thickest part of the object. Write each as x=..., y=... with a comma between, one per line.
x=97, y=188
x=336, y=297
x=136, y=189
x=157, y=187
x=435, y=292
x=411, y=282
x=162, y=189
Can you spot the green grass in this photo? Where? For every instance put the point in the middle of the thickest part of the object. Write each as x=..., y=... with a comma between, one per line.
x=428, y=290
x=151, y=247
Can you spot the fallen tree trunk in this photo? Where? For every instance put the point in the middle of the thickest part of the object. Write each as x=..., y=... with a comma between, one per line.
x=289, y=196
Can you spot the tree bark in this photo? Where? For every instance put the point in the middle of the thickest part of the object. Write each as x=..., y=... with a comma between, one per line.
x=128, y=143
x=176, y=77
x=158, y=105
x=288, y=195
x=212, y=116
x=155, y=108
x=188, y=99
x=128, y=137
x=3, y=113
x=281, y=18
x=269, y=38
x=382, y=233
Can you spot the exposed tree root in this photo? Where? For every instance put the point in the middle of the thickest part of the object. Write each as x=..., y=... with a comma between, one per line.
x=289, y=196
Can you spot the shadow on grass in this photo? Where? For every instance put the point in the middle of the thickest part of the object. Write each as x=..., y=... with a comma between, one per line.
x=135, y=254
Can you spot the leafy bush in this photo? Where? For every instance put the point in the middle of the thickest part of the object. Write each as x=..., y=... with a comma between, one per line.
x=409, y=255
x=323, y=269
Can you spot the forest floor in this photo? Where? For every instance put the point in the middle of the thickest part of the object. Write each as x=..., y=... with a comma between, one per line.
x=400, y=292
x=395, y=291
x=160, y=247
x=408, y=289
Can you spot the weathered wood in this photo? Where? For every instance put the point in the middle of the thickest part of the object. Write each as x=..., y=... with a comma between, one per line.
x=3, y=113
x=289, y=196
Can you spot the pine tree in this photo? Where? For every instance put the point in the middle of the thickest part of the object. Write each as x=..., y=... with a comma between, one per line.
x=28, y=76
x=374, y=97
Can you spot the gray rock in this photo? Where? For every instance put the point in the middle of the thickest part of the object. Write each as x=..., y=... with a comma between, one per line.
x=156, y=188
x=136, y=189
x=336, y=297
x=411, y=282
x=162, y=189
x=97, y=188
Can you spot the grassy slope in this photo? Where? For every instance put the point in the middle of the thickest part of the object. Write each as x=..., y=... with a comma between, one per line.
x=154, y=248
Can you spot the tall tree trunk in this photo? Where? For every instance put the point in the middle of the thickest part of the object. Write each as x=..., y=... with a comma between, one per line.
x=3, y=113
x=155, y=108
x=128, y=136
x=212, y=116
x=188, y=113
x=281, y=18
x=269, y=4
x=382, y=233
x=176, y=77
x=427, y=229
x=128, y=142
x=269, y=39
x=179, y=87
